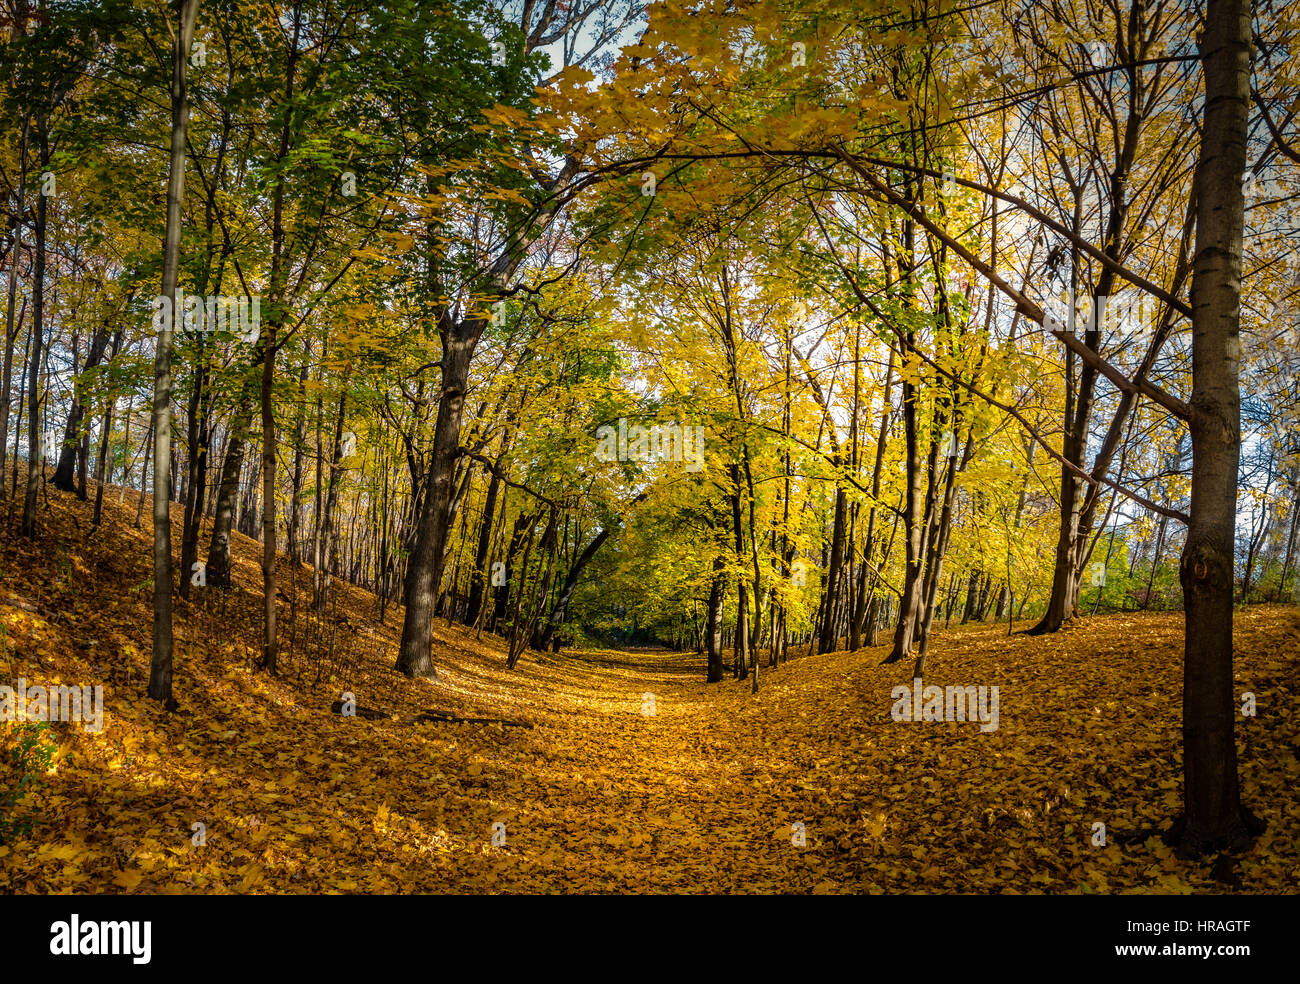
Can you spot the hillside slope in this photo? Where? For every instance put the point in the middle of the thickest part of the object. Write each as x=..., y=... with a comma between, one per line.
x=598, y=796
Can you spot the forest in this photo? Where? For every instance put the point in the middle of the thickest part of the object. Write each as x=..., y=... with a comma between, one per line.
x=649, y=446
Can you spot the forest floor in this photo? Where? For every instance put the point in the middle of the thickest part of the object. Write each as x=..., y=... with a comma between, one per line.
x=598, y=796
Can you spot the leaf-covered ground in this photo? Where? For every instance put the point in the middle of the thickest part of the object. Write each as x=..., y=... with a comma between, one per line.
x=599, y=796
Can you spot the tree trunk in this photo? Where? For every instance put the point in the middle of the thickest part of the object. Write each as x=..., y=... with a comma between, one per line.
x=867, y=588
x=144, y=473
x=915, y=530
x=741, y=641
x=1290, y=542
x=1214, y=817
x=34, y=390
x=11, y=330
x=938, y=548
x=828, y=641
x=223, y=520
x=64, y=477
x=196, y=476
x=1078, y=505
x=424, y=569
x=713, y=619
x=556, y=617
x=294, y=545
x=324, y=536
x=103, y=470
x=270, y=637
x=478, y=579
x=501, y=598
x=160, y=672
x=972, y=595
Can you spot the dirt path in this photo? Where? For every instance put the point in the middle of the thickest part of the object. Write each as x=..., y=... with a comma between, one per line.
x=703, y=795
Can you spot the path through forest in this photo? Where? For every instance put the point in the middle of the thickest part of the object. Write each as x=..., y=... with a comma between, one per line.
x=600, y=795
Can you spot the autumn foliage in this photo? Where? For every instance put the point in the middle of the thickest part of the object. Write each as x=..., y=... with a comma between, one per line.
x=597, y=796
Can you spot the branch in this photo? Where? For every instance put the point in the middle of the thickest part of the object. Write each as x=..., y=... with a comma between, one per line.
x=492, y=469
x=1141, y=385
x=1276, y=132
x=1029, y=429
x=1026, y=306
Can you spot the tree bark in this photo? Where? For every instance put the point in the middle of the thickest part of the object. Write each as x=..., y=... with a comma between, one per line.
x=64, y=477
x=103, y=470
x=713, y=619
x=160, y=672
x=196, y=477
x=556, y=617
x=424, y=569
x=11, y=330
x=479, y=576
x=324, y=537
x=1214, y=817
x=914, y=529
x=34, y=390
x=223, y=520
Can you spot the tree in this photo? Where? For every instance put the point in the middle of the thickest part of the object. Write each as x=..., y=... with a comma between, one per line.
x=459, y=327
x=1215, y=817
x=181, y=31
